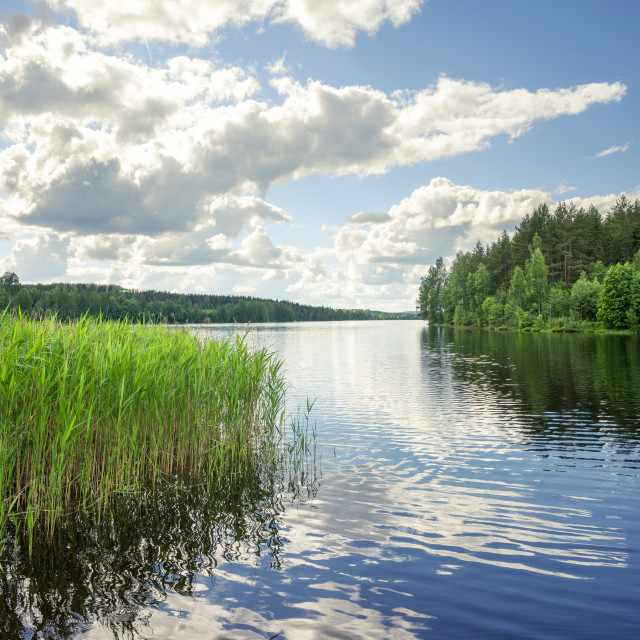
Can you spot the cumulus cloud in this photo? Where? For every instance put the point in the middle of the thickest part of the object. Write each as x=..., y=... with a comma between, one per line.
x=18, y=24
x=384, y=255
x=108, y=248
x=456, y=116
x=232, y=214
x=332, y=23
x=213, y=242
x=34, y=256
x=434, y=217
x=100, y=144
x=373, y=256
x=152, y=176
x=602, y=202
x=54, y=71
x=336, y=23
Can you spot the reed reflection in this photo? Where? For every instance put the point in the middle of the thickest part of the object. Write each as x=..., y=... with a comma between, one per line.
x=114, y=568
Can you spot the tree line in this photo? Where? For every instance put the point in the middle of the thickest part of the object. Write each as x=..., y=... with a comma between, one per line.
x=69, y=301
x=563, y=270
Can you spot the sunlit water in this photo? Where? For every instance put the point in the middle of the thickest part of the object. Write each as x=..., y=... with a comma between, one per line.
x=470, y=485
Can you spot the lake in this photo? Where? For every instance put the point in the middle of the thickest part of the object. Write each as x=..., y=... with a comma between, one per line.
x=465, y=484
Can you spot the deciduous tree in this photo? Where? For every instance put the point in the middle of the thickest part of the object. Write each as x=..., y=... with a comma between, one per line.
x=620, y=294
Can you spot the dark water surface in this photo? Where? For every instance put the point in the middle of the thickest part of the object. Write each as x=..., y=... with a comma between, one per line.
x=470, y=485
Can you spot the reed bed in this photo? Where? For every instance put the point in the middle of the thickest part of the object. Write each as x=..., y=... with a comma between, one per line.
x=94, y=407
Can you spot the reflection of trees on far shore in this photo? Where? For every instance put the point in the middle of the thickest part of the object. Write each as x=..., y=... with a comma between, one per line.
x=594, y=378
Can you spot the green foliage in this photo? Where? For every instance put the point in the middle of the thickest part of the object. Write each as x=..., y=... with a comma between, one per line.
x=430, y=296
x=22, y=300
x=10, y=282
x=559, y=301
x=552, y=268
x=620, y=295
x=536, y=275
x=584, y=297
x=112, y=302
x=454, y=294
x=564, y=324
x=458, y=316
x=493, y=311
x=599, y=271
x=93, y=407
x=481, y=284
x=518, y=288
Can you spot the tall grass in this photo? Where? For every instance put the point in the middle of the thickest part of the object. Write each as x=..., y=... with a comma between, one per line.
x=94, y=407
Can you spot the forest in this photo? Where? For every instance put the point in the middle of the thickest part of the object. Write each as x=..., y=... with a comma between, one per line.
x=567, y=270
x=70, y=301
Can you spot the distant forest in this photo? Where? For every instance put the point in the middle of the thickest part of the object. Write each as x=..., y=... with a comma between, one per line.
x=116, y=303
x=565, y=270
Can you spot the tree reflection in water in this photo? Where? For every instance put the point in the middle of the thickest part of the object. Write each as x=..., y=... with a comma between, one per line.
x=550, y=377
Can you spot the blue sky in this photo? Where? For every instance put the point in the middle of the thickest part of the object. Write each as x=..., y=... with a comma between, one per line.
x=321, y=152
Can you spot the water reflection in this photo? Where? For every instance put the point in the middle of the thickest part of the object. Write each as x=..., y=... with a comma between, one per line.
x=473, y=485
x=592, y=378
x=117, y=568
x=524, y=406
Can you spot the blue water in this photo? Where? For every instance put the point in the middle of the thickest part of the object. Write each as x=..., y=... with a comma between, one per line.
x=469, y=485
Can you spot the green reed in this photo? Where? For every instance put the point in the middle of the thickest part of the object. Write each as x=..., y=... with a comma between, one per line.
x=93, y=407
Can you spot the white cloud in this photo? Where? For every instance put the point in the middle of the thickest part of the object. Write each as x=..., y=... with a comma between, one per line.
x=376, y=259
x=148, y=176
x=456, y=117
x=232, y=214
x=563, y=188
x=39, y=258
x=113, y=247
x=279, y=67
x=621, y=148
x=382, y=256
x=392, y=250
x=603, y=203
x=330, y=22
x=102, y=144
x=336, y=23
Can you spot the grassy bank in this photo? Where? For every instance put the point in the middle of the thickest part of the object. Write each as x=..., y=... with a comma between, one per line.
x=94, y=407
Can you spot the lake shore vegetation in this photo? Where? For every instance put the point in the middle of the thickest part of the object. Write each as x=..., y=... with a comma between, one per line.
x=92, y=408
x=567, y=270
x=117, y=303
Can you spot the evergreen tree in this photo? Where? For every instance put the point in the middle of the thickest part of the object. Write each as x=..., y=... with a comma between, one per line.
x=560, y=259
x=454, y=293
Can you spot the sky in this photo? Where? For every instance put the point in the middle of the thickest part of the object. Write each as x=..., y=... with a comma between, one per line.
x=322, y=152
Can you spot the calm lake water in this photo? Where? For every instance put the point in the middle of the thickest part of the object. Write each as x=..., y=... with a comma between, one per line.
x=466, y=485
